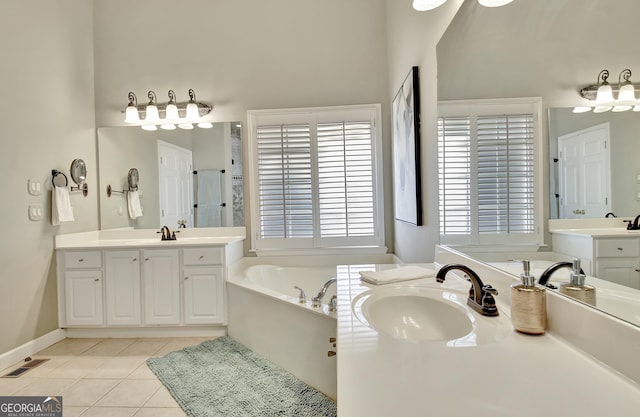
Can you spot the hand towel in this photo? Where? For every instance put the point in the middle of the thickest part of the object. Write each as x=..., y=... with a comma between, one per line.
x=61, y=210
x=404, y=273
x=133, y=204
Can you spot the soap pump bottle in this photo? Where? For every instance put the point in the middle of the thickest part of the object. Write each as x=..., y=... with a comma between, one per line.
x=576, y=288
x=528, y=304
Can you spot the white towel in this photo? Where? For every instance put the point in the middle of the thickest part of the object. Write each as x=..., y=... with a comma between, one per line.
x=133, y=204
x=61, y=210
x=404, y=273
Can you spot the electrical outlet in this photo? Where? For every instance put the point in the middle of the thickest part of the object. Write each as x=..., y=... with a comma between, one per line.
x=35, y=212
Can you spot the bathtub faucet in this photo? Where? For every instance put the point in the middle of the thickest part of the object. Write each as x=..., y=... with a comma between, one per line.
x=317, y=300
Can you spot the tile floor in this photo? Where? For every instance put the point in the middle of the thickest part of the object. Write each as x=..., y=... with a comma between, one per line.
x=101, y=377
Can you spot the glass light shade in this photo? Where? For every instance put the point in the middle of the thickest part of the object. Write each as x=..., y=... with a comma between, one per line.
x=424, y=5
x=601, y=109
x=205, y=125
x=152, y=115
x=621, y=108
x=192, y=112
x=131, y=115
x=604, y=95
x=581, y=109
x=171, y=112
x=627, y=93
x=186, y=126
x=168, y=126
x=494, y=3
x=150, y=128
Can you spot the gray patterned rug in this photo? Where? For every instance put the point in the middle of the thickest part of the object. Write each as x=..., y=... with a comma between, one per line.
x=223, y=378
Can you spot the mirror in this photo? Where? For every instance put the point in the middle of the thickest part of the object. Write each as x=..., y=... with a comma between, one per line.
x=78, y=171
x=624, y=166
x=183, y=176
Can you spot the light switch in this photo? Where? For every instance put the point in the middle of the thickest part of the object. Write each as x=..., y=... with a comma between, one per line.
x=34, y=186
x=35, y=212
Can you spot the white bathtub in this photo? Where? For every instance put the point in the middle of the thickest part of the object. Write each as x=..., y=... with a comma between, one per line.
x=265, y=315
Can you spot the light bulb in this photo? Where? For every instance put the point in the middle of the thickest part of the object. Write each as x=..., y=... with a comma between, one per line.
x=424, y=5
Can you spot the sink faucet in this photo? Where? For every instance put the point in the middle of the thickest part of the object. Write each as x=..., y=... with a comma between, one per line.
x=633, y=224
x=317, y=300
x=480, y=295
x=544, y=277
x=166, y=233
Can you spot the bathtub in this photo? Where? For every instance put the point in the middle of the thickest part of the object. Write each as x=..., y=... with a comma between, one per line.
x=264, y=312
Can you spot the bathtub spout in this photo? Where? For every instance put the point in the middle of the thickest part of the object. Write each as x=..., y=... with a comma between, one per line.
x=317, y=300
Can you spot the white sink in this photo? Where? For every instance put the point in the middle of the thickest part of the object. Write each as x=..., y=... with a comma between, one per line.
x=415, y=314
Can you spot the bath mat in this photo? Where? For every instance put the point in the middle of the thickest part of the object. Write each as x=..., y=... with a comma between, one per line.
x=223, y=378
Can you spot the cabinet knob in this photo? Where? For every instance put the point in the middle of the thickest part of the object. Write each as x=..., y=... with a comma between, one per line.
x=135, y=259
x=201, y=257
x=96, y=280
x=331, y=353
x=146, y=259
x=620, y=249
x=80, y=260
x=186, y=278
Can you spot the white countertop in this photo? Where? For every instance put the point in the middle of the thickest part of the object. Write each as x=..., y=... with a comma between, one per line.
x=517, y=375
x=599, y=232
x=133, y=238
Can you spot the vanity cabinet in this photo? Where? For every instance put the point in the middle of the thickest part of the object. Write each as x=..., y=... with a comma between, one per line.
x=122, y=287
x=161, y=287
x=203, y=285
x=612, y=258
x=83, y=293
x=144, y=287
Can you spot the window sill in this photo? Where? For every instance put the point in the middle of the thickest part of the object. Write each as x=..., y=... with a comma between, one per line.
x=353, y=250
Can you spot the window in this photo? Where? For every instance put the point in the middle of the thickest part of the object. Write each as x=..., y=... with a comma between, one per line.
x=317, y=177
x=488, y=184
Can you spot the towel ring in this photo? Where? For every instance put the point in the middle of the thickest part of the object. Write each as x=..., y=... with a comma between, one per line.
x=54, y=174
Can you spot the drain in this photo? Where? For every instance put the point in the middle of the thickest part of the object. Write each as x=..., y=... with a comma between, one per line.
x=24, y=368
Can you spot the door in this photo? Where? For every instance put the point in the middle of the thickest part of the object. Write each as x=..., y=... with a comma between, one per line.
x=175, y=179
x=83, y=298
x=123, y=287
x=203, y=302
x=161, y=286
x=584, y=173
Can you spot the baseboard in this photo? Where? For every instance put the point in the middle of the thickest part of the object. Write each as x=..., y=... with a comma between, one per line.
x=18, y=354
x=141, y=332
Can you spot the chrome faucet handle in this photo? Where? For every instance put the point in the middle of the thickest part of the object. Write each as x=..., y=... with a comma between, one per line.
x=333, y=303
x=302, y=298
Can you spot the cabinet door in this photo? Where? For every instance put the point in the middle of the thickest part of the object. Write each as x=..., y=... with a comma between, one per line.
x=83, y=298
x=123, y=287
x=620, y=271
x=161, y=286
x=203, y=296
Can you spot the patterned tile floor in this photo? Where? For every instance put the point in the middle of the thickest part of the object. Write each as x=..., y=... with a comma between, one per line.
x=101, y=377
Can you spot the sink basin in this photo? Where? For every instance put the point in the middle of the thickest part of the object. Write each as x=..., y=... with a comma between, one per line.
x=416, y=314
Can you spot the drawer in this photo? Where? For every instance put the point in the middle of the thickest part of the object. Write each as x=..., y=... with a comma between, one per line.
x=203, y=256
x=617, y=248
x=84, y=259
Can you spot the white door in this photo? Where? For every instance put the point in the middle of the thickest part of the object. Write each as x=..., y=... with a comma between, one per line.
x=161, y=286
x=83, y=298
x=123, y=287
x=584, y=173
x=203, y=302
x=175, y=176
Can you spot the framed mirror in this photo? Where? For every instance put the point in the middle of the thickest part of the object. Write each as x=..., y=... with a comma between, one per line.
x=171, y=167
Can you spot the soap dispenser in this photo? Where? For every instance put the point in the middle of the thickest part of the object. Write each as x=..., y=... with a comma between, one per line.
x=528, y=304
x=576, y=288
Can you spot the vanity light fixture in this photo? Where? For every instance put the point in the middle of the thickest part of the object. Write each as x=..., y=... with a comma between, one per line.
x=424, y=5
x=169, y=115
x=617, y=98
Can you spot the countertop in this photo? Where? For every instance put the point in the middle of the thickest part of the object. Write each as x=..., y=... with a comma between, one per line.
x=599, y=232
x=515, y=375
x=136, y=238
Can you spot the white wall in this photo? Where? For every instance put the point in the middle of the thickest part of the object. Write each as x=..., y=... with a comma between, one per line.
x=243, y=54
x=411, y=40
x=46, y=121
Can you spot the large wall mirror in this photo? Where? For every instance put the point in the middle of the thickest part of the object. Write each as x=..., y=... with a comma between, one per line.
x=614, y=183
x=191, y=177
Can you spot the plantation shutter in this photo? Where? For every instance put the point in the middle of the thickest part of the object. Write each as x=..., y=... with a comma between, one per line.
x=454, y=175
x=505, y=174
x=284, y=177
x=345, y=179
